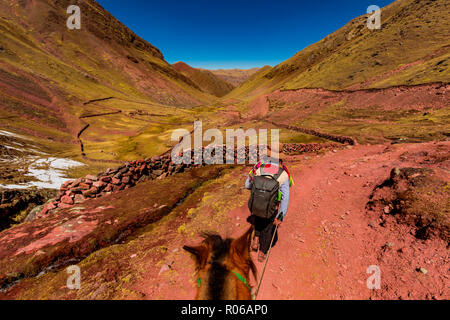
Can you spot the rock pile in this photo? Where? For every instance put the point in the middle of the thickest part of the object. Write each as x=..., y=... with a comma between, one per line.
x=77, y=191
x=335, y=138
x=298, y=148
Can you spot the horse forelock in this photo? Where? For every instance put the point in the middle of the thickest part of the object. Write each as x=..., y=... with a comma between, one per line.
x=220, y=249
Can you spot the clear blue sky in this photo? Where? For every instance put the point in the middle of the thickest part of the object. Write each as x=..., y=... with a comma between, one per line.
x=234, y=33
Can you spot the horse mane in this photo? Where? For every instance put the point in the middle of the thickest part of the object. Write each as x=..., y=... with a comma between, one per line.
x=220, y=247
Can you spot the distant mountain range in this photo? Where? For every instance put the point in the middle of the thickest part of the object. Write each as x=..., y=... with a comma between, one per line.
x=216, y=82
x=234, y=76
x=206, y=80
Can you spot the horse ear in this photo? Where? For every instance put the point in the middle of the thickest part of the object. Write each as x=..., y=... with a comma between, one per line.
x=199, y=253
x=243, y=243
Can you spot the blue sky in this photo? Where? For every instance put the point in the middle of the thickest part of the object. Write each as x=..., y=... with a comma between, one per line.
x=228, y=34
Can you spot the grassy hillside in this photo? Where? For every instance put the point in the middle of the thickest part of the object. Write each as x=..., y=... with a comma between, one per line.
x=412, y=47
x=253, y=86
x=50, y=77
x=205, y=80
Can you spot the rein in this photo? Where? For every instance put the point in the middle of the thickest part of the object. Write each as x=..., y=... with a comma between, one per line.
x=246, y=284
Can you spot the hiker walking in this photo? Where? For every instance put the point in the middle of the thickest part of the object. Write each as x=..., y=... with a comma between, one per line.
x=269, y=183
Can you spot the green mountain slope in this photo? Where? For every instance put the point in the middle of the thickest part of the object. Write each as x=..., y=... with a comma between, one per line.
x=53, y=78
x=412, y=47
x=234, y=76
x=205, y=80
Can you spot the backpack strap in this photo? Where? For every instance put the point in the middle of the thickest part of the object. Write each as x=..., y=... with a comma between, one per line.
x=279, y=173
x=291, y=181
x=255, y=167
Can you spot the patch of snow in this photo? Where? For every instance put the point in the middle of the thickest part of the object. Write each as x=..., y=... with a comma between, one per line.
x=14, y=186
x=10, y=134
x=49, y=172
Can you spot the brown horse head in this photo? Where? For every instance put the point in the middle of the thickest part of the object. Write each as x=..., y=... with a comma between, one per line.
x=223, y=267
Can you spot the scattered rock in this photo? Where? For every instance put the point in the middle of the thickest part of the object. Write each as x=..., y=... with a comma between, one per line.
x=91, y=192
x=99, y=184
x=388, y=245
x=91, y=177
x=423, y=270
x=105, y=179
x=67, y=200
x=79, y=198
x=99, y=291
x=166, y=267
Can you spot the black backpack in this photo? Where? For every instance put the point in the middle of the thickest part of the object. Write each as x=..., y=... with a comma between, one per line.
x=264, y=195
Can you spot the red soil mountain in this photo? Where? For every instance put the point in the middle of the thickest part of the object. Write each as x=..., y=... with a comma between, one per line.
x=205, y=80
x=234, y=76
x=47, y=71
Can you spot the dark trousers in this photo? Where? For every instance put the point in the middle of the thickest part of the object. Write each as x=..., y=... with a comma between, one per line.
x=264, y=229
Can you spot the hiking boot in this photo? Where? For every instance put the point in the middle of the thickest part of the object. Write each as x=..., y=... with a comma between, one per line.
x=261, y=256
x=255, y=244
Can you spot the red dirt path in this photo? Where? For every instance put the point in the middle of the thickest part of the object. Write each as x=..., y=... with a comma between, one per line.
x=326, y=244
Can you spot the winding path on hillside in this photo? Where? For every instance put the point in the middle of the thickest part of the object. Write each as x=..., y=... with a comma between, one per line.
x=340, y=139
x=112, y=112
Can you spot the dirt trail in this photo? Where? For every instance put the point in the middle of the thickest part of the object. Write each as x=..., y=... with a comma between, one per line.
x=327, y=242
x=328, y=239
x=306, y=262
